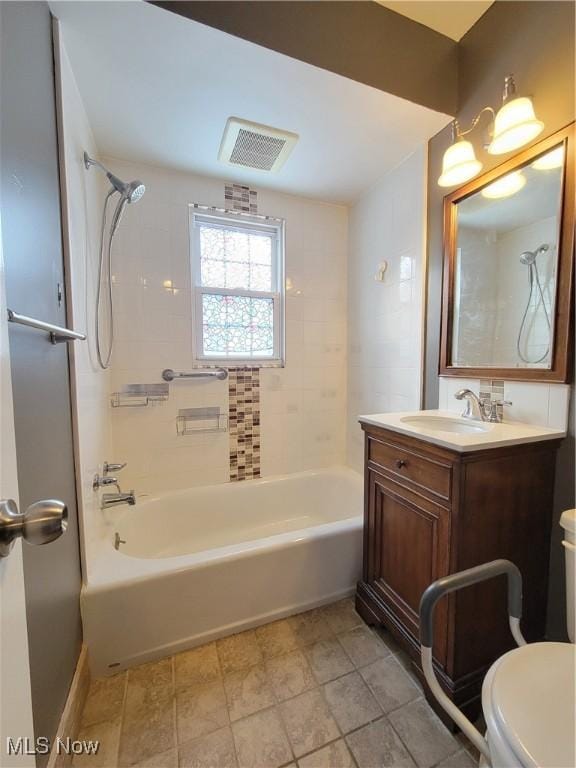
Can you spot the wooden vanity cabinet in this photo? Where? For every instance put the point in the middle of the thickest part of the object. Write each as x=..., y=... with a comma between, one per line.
x=430, y=511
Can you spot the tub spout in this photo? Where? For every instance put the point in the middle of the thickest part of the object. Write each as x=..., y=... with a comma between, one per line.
x=114, y=499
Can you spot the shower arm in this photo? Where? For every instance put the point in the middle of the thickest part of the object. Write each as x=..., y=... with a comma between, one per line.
x=117, y=184
x=88, y=161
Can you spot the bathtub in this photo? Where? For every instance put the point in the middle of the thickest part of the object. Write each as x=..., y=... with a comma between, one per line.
x=203, y=563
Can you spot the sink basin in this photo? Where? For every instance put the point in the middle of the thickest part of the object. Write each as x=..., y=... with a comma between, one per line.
x=446, y=424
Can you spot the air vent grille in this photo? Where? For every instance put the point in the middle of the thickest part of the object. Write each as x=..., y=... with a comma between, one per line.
x=255, y=146
x=256, y=150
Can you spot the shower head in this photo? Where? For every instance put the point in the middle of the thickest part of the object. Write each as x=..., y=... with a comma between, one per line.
x=529, y=257
x=131, y=191
x=134, y=191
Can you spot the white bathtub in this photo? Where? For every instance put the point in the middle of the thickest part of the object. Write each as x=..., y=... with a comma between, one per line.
x=208, y=562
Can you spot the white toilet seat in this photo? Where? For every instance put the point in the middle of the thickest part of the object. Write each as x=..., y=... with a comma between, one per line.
x=529, y=707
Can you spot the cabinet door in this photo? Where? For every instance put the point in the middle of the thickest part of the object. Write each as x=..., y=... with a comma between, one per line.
x=408, y=542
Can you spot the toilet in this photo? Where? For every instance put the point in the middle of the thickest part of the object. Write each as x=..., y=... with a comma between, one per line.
x=528, y=694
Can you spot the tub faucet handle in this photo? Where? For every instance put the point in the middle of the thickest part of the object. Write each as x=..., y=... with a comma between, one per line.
x=101, y=481
x=107, y=467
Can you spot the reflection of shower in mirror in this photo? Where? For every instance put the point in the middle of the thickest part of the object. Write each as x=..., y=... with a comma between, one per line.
x=537, y=302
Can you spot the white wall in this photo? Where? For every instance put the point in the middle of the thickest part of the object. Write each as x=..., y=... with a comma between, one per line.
x=514, y=290
x=385, y=318
x=82, y=202
x=493, y=291
x=302, y=405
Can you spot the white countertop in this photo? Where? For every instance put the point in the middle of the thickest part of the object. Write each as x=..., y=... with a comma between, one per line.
x=495, y=436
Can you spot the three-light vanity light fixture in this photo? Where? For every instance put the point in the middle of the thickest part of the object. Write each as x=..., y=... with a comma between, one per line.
x=514, y=125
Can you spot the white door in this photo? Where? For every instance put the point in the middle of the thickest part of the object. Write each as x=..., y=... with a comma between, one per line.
x=16, y=698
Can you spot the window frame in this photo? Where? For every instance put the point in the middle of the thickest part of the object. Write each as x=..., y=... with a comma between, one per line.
x=236, y=220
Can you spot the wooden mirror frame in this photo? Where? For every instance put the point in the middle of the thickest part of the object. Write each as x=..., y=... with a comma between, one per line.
x=561, y=368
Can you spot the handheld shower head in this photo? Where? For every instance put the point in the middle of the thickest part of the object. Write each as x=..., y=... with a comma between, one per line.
x=132, y=191
x=529, y=257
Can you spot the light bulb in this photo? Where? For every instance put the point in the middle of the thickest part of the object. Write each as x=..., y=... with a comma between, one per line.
x=459, y=164
x=552, y=159
x=505, y=187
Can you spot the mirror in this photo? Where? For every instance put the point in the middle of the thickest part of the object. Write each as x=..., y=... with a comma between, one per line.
x=506, y=240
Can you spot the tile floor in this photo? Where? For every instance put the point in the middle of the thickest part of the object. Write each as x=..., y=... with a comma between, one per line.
x=317, y=690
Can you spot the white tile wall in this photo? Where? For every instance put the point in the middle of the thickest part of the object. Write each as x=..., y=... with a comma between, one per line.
x=90, y=384
x=302, y=405
x=535, y=403
x=385, y=318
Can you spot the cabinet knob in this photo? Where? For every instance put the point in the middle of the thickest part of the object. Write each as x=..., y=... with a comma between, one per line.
x=400, y=463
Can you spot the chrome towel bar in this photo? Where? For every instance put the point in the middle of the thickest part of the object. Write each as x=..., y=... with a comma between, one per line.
x=218, y=373
x=57, y=333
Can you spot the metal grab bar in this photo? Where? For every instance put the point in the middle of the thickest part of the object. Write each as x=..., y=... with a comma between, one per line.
x=218, y=373
x=445, y=586
x=57, y=333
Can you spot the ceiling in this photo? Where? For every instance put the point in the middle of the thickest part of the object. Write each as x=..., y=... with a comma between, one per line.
x=159, y=88
x=452, y=18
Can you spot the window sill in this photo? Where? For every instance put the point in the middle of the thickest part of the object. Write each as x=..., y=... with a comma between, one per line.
x=238, y=364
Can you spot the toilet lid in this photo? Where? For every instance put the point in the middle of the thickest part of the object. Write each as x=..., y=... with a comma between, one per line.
x=530, y=699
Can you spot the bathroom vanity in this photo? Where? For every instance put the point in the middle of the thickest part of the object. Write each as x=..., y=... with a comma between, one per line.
x=443, y=494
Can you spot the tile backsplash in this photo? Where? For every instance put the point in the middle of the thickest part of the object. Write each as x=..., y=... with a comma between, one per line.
x=537, y=403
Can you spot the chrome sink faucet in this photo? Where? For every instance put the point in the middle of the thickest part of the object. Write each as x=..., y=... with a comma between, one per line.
x=481, y=410
x=475, y=408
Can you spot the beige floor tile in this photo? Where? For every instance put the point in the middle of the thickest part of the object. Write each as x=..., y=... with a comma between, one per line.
x=150, y=685
x=200, y=665
x=290, y=675
x=391, y=685
x=341, y=616
x=310, y=627
x=387, y=639
x=276, y=638
x=216, y=750
x=328, y=660
x=363, y=646
x=351, y=702
x=406, y=663
x=378, y=746
x=155, y=674
x=238, y=652
x=335, y=755
x=261, y=741
x=423, y=733
x=148, y=728
x=105, y=699
x=107, y=734
x=459, y=760
x=167, y=759
x=200, y=709
x=248, y=691
x=308, y=721
x=139, y=701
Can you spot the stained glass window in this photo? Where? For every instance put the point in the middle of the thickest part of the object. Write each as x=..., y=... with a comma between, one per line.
x=237, y=268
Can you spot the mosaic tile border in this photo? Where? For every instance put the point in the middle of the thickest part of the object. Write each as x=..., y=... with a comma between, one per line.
x=492, y=389
x=241, y=198
x=244, y=423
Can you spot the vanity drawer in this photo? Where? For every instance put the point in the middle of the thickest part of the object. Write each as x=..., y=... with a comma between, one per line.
x=428, y=475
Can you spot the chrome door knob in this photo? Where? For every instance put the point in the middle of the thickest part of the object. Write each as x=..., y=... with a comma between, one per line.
x=41, y=523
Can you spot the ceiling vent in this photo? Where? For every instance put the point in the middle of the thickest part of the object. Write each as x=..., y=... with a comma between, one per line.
x=252, y=145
